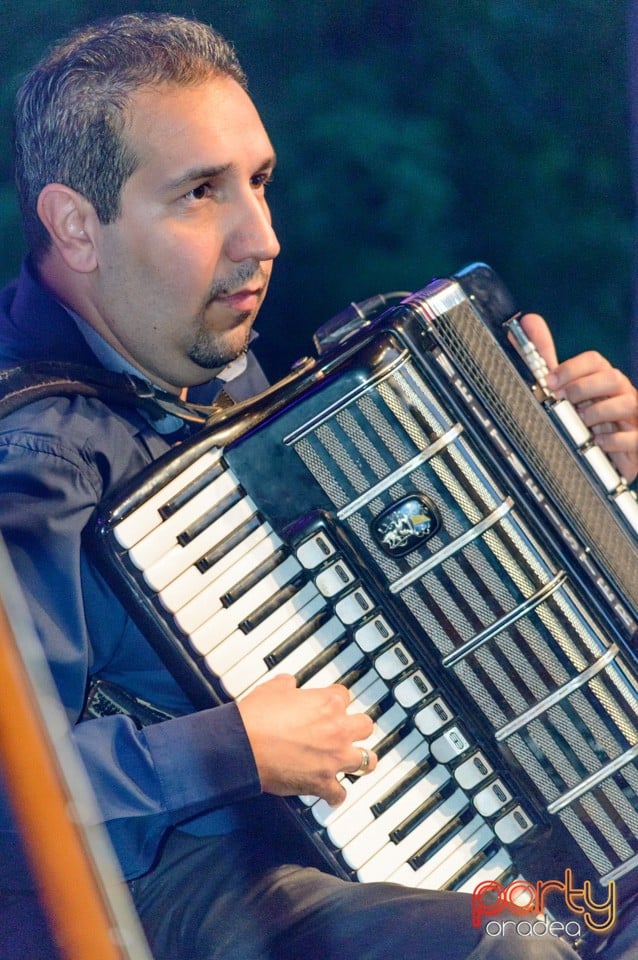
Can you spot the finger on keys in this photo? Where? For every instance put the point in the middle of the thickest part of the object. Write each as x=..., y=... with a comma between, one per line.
x=539, y=333
x=365, y=762
x=343, y=692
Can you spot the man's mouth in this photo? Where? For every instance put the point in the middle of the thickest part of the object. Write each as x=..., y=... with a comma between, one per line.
x=246, y=299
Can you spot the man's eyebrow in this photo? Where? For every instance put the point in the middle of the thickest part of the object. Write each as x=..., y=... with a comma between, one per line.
x=213, y=173
x=198, y=173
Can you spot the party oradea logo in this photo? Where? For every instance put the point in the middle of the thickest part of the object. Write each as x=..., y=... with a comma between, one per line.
x=520, y=897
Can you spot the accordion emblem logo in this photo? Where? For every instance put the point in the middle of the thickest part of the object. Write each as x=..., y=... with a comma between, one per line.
x=405, y=525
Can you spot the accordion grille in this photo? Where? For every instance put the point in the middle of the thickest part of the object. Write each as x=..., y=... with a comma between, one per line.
x=465, y=336
x=543, y=679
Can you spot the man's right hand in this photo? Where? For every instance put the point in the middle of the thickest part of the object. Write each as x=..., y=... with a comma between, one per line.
x=302, y=738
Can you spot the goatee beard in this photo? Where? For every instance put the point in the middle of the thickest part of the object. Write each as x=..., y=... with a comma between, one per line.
x=209, y=353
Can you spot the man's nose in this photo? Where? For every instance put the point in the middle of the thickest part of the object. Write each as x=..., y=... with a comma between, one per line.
x=251, y=234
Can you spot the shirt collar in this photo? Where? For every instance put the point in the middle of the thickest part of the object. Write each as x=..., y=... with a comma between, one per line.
x=114, y=361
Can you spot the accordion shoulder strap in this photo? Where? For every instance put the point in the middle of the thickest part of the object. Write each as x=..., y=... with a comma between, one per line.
x=27, y=383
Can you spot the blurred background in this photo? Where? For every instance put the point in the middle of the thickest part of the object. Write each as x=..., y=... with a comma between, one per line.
x=414, y=137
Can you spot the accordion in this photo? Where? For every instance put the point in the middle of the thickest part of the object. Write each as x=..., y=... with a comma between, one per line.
x=415, y=515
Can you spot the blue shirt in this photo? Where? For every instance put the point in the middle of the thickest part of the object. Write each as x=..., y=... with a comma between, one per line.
x=58, y=458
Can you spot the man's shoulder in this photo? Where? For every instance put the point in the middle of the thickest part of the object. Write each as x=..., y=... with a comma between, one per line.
x=80, y=433
x=35, y=327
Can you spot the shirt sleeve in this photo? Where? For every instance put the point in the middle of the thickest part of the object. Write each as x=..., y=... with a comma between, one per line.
x=144, y=780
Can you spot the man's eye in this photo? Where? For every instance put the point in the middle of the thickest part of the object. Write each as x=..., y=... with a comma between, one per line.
x=261, y=180
x=200, y=192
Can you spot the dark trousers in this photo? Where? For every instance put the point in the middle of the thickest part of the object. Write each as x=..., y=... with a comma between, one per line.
x=228, y=898
x=25, y=933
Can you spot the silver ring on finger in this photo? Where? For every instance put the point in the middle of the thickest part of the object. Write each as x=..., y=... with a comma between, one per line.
x=365, y=763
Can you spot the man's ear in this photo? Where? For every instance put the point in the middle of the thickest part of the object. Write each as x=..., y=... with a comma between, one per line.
x=69, y=219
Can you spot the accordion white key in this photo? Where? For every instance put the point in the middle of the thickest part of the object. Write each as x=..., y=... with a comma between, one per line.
x=413, y=515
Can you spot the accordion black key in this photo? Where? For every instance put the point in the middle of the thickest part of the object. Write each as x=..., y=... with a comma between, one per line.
x=416, y=516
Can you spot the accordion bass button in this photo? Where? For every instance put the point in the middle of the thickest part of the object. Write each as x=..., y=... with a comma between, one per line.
x=433, y=716
x=473, y=771
x=413, y=689
x=568, y=416
x=512, y=825
x=450, y=745
x=373, y=633
x=314, y=551
x=603, y=468
x=353, y=607
x=627, y=504
x=333, y=579
x=492, y=798
x=393, y=661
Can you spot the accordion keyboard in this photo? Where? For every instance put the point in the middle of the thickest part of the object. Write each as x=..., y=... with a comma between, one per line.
x=251, y=608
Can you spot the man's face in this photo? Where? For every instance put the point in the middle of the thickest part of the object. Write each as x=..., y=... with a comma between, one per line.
x=183, y=270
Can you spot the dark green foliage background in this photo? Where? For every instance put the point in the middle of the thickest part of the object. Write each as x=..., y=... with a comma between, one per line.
x=415, y=136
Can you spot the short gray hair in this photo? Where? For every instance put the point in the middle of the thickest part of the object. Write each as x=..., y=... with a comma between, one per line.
x=70, y=110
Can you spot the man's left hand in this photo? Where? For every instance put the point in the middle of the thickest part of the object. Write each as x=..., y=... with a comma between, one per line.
x=605, y=398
